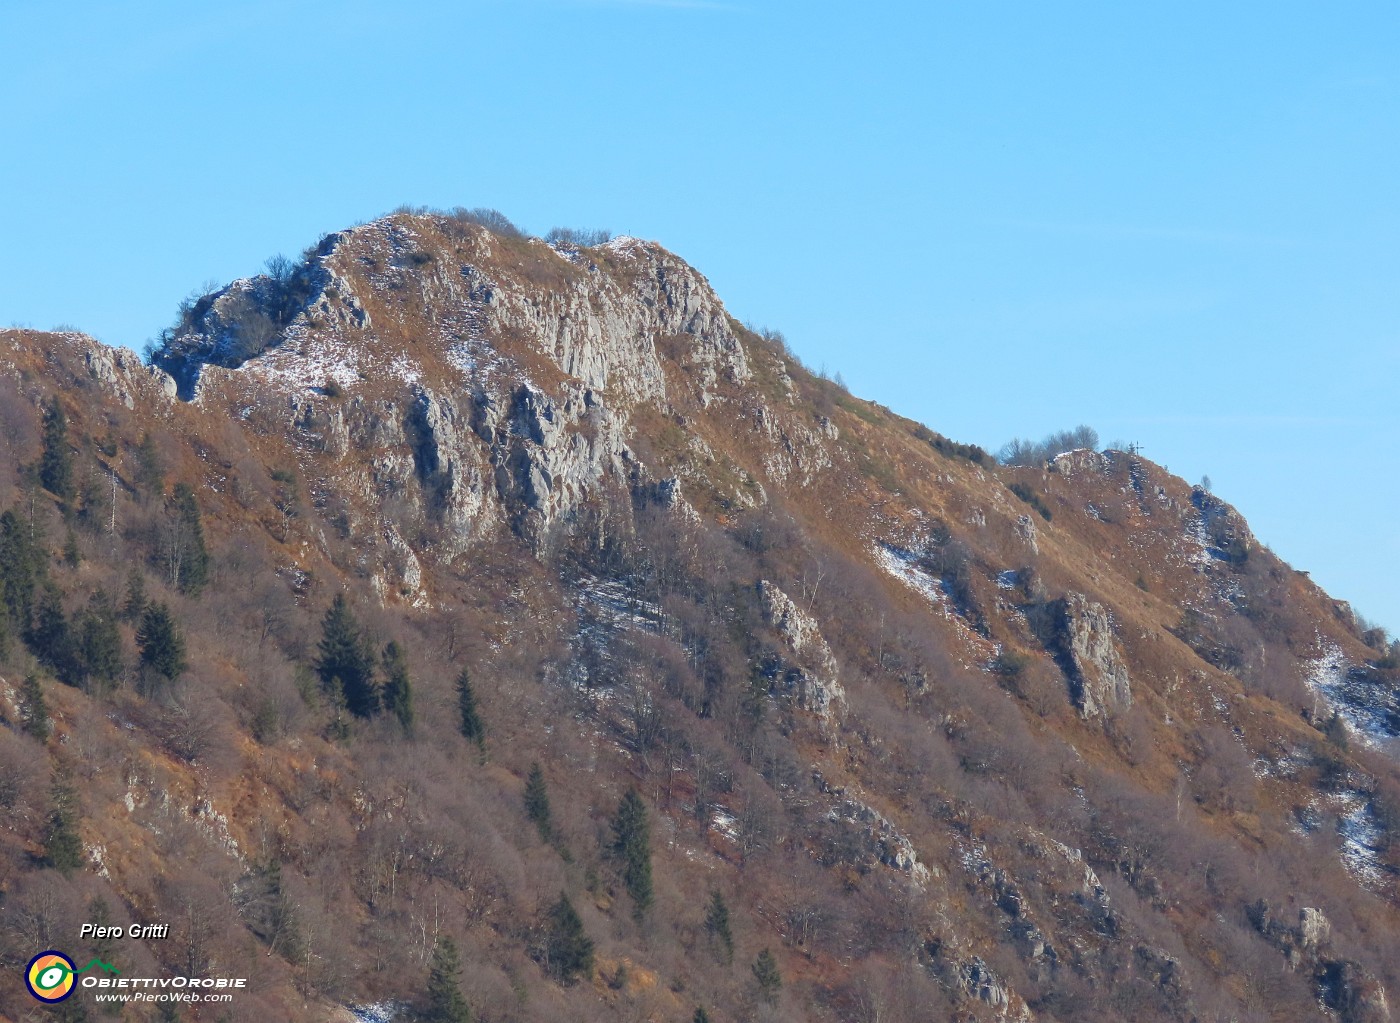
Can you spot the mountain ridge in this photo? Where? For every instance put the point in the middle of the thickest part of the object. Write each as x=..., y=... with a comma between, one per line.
x=826, y=642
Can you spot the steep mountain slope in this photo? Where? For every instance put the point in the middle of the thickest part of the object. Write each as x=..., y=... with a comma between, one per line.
x=948, y=739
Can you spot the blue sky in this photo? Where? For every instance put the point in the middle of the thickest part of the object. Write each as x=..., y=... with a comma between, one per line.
x=1175, y=222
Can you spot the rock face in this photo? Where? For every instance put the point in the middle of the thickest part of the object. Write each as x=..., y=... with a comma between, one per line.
x=1025, y=529
x=1313, y=927
x=521, y=366
x=1221, y=531
x=1081, y=460
x=1098, y=677
x=814, y=679
x=1353, y=992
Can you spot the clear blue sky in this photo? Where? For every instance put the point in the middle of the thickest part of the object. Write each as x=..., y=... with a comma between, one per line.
x=1175, y=222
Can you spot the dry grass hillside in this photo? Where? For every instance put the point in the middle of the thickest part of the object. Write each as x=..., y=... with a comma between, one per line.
x=833, y=718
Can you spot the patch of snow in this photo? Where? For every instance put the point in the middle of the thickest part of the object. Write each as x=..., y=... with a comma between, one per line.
x=1362, y=837
x=904, y=566
x=1370, y=710
x=725, y=823
x=379, y=1012
x=305, y=363
x=610, y=602
x=1199, y=550
x=624, y=245
x=1009, y=579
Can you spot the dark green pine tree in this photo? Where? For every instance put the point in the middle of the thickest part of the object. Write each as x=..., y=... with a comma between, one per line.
x=134, y=604
x=51, y=639
x=56, y=461
x=632, y=844
x=717, y=926
x=398, y=690
x=770, y=981
x=568, y=950
x=445, y=1001
x=161, y=643
x=99, y=642
x=471, y=725
x=193, y=571
x=99, y=914
x=33, y=711
x=270, y=912
x=701, y=1016
x=72, y=555
x=22, y=569
x=150, y=469
x=63, y=849
x=346, y=654
x=537, y=802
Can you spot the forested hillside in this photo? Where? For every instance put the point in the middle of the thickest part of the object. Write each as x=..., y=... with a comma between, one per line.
x=451, y=622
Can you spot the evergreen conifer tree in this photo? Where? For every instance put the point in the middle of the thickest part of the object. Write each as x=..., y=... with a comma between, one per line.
x=568, y=949
x=537, y=802
x=632, y=844
x=63, y=849
x=34, y=712
x=270, y=912
x=51, y=639
x=161, y=643
x=701, y=1016
x=717, y=926
x=134, y=604
x=56, y=461
x=770, y=981
x=346, y=654
x=192, y=570
x=150, y=470
x=445, y=1001
x=22, y=568
x=471, y=724
x=99, y=914
x=398, y=690
x=99, y=643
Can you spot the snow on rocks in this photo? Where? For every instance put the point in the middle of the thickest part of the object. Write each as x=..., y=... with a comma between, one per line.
x=1363, y=837
x=1370, y=709
x=906, y=566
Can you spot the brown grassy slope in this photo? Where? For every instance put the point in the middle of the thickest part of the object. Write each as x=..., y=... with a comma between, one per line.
x=382, y=841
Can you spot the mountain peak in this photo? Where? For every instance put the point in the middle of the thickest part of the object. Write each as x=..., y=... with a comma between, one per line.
x=413, y=297
x=996, y=736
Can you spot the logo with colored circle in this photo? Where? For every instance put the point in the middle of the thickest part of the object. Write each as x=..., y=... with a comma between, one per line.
x=50, y=976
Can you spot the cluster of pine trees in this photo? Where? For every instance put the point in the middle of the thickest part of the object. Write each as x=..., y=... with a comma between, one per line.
x=354, y=678
x=358, y=682
x=84, y=648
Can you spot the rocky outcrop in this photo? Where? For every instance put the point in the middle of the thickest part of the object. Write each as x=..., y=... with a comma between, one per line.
x=1025, y=529
x=1081, y=460
x=1314, y=929
x=1352, y=992
x=883, y=841
x=550, y=454
x=546, y=376
x=1099, y=679
x=1219, y=529
x=120, y=372
x=977, y=980
x=814, y=680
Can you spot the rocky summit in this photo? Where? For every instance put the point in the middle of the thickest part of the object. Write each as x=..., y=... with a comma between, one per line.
x=452, y=624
